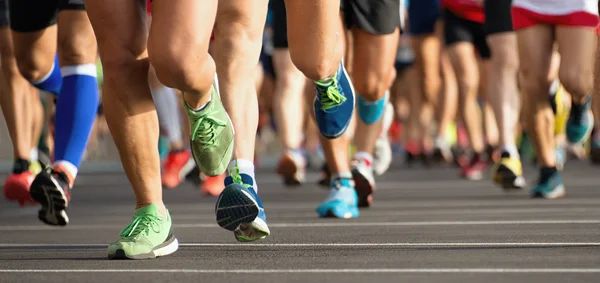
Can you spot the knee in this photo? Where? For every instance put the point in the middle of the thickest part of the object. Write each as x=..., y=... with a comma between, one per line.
x=468, y=83
x=178, y=66
x=33, y=68
x=370, y=85
x=505, y=59
x=576, y=81
x=240, y=35
x=535, y=84
x=77, y=49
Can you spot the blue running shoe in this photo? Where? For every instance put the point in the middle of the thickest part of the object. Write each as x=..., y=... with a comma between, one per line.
x=371, y=111
x=240, y=210
x=342, y=201
x=334, y=104
x=550, y=186
x=581, y=122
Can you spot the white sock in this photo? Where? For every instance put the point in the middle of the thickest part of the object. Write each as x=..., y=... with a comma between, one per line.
x=245, y=167
x=167, y=107
x=34, y=154
x=365, y=156
x=72, y=169
x=511, y=149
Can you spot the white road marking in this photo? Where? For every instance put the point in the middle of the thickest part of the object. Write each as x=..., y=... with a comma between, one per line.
x=273, y=271
x=13, y=228
x=338, y=245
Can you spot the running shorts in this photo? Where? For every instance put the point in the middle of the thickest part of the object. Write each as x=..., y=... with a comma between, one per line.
x=497, y=16
x=457, y=30
x=4, y=13
x=279, y=24
x=372, y=16
x=581, y=13
x=34, y=15
x=422, y=16
x=405, y=57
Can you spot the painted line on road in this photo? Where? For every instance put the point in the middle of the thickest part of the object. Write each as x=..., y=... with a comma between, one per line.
x=333, y=245
x=273, y=271
x=321, y=224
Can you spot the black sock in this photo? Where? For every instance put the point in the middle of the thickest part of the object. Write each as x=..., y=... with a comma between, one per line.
x=546, y=172
x=20, y=166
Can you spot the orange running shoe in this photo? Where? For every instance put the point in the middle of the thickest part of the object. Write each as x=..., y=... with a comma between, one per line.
x=176, y=167
x=16, y=188
x=213, y=186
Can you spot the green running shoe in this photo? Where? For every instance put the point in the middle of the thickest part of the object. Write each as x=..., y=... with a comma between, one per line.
x=148, y=236
x=212, y=135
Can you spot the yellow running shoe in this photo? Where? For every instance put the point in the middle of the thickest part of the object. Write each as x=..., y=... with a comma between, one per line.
x=508, y=173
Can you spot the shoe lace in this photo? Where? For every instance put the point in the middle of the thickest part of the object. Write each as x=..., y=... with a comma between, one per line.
x=234, y=173
x=204, y=131
x=330, y=96
x=142, y=225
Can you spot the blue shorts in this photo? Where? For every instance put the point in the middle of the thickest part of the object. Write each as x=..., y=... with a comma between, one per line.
x=422, y=16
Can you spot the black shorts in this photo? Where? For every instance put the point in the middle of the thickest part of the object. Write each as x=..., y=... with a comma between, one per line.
x=280, y=38
x=4, y=13
x=34, y=15
x=372, y=16
x=497, y=16
x=457, y=30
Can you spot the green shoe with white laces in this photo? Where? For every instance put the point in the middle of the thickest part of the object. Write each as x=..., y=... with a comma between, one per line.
x=212, y=135
x=148, y=236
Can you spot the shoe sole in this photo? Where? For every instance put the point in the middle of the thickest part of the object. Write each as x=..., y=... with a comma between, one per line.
x=559, y=192
x=235, y=207
x=168, y=247
x=288, y=169
x=54, y=202
x=363, y=188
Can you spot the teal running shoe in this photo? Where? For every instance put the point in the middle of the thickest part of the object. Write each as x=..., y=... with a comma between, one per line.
x=581, y=122
x=550, y=186
x=240, y=210
x=148, y=236
x=342, y=201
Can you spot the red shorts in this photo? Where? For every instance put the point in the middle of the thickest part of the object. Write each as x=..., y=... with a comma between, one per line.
x=523, y=18
x=149, y=7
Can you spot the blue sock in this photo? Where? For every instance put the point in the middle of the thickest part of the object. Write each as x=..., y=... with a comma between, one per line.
x=75, y=113
x=52, y=82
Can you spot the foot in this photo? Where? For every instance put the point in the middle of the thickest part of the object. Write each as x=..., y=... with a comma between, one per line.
x=475, y=169
x=16, y=188
x=362, y=174
x=148, y=236
x=240, y=210
x=292, y=167
x=212, y=186
x=176, y=168
x=371, y=111
x=52, y=189
x=508, y=172
x=580, y=122
x=342, y=201
x=212, y=135
x=549, y=186
x=334, y=104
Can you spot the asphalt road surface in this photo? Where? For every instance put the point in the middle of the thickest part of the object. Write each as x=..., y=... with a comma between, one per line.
x=425, y=226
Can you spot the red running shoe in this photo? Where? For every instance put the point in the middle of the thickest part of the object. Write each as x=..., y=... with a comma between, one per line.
x=212, y=186
x=176, y=167
x=475, y=169
x=16, y=188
